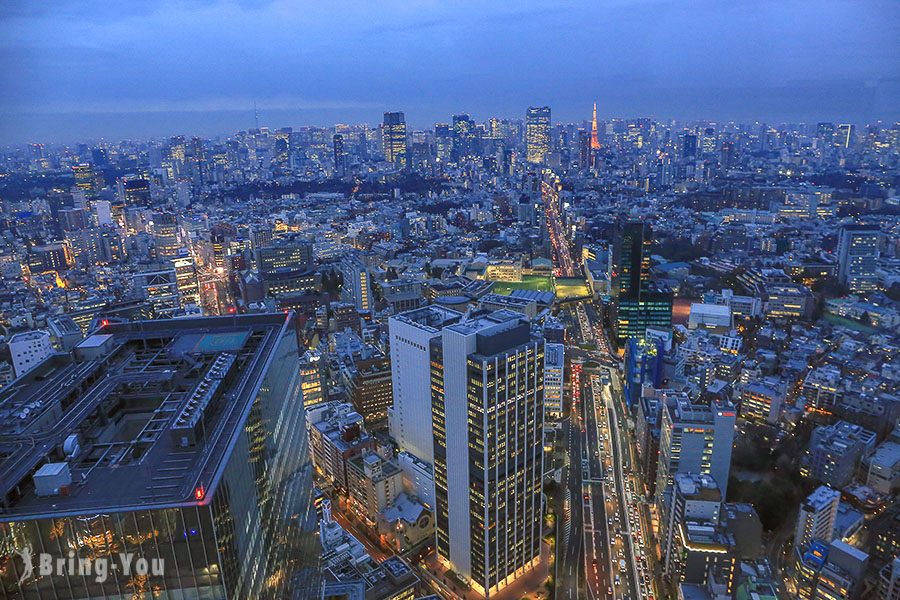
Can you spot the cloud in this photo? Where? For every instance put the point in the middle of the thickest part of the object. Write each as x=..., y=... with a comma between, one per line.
x=434, y=57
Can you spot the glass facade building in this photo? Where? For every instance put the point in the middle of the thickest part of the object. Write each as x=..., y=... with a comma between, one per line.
x=245, y=530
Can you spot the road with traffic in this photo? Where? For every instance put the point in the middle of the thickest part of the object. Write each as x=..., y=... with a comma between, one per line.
x=602, y=550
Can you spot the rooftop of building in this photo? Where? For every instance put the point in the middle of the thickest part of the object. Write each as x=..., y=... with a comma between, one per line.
x=114, y=412
x=27, y=336
x=697, y=486
x=432, y=317
x=821, y=497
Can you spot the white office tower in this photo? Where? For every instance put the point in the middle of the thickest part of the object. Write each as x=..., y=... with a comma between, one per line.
x=816, y=518
x=858, y=257
x=488, y=406
x=554, y=367
x=409, y=417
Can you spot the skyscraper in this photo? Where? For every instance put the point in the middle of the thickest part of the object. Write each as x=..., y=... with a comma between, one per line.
x=537, y=134
x=443, y=142
x=487, y=382
x=337, y=142
x=858, y=257
x=199, y=465
x=463, y=137
x=165, y=234
x=394, y=139
x=357, y=286
x=844, y=135
x=638, y=303
x=694, y=438
x=84, y=178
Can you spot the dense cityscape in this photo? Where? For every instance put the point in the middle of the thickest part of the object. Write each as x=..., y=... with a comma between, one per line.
x=611, y=359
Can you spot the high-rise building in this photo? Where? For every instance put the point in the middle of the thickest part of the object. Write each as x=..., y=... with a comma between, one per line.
x=357, y=286
x=179, y=443
x=487, y=382
x=136, y=191
x=637, y=303
x=537, y=134
x=312, y=389
x=165, y=234
x=844, y=135
x=694, y=438
x=337, y=146
x=85, y=179
x=464, y=136
x=443, y=142
x=410, y=340
x=858, y=254
x=186, y=278
x=816, y=518
x=554, y=380
x=697, y=501
x=394, y=139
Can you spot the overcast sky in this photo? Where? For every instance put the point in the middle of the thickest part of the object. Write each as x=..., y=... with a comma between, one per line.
x=77, y=69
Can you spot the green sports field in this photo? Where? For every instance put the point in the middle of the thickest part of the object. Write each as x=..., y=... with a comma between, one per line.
x=562, y=287
x=543, y=283
x=570, y=288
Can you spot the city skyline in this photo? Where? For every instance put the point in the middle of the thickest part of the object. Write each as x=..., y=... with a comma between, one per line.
x=450, y=301
x=155, y=69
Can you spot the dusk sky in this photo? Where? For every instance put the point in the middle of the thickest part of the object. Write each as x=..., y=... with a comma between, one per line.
x=99, y=69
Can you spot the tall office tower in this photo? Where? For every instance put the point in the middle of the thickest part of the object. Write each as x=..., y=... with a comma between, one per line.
x=393, y=139
x=410, y=415
x=84, y=179
x=186, y=278
x=858, y=257
x=179, y=442
x=537, y=134
x=727, y=156
x=464, y=135
x=136, y=191
x=844, y=135
x=689, y=145
x=816, y=518
x=584, y=149
x=165, y=234
x=488, y=397
x=337, y=146
x=637, y=303
x=443, y=142
x=312, y=389
x=694, y=438
x=357, y=286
